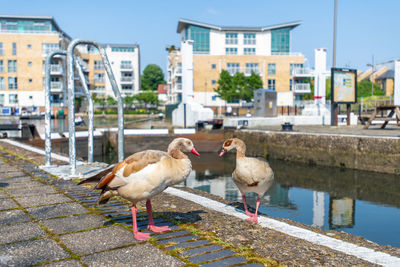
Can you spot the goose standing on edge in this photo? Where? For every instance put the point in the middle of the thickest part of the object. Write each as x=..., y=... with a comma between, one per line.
x=251, y=174
x=144, y=175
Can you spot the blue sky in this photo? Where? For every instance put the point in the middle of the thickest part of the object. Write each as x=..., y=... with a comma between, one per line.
x=365, y=27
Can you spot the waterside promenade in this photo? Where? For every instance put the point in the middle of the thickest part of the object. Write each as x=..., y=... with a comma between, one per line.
x=52, y=222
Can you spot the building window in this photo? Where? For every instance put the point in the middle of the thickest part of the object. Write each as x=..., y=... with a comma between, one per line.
x=213, y=82
x=232, y=68
x=271, y=69
x=12, y=66
x=123, y=49
x=1, y=49
x=249, y=38
x=30, y=63
x=200, y=37
x=1, y=66
x=271, y=84
x=231, y=38
x=1, y=99
x=280, y=41
x=249, y=51
x=2, y=85
x=251, y=67
x=92, y=50
x=291, y=84
x=294, y=67
x=30, y=80
x=12, y=83
x=48, y=48
x=99, y=88
x=98, y=65
x=126, y=64
x=99, y=78
x=29, y=46
x=14, y=49
x=213, y=66
x=127, y=87
x=13, y=98
x=214, y=97
x=231, y=51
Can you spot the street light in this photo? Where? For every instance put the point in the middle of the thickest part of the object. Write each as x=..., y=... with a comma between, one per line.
x=370, y=79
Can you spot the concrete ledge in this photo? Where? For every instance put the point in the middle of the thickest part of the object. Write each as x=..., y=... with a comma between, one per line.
x=185, y=131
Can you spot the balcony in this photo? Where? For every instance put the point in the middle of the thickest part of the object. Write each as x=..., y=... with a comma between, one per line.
x=56, y=69
x=178, y=86
x=302, y=72
x=126, y=67
x=99, y=80
x=128, y=79
x=178, y=72
x=56, y=87
x=302, y=88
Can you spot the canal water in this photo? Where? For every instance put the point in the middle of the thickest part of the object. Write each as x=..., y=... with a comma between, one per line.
x=362, y=203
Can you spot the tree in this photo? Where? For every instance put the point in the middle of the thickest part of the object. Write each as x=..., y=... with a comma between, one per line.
x=99, y=100
x=111, y=101
x=147, y=97
x=151, y=78
x=128, y=101
x=363, y=89
x=238, y=87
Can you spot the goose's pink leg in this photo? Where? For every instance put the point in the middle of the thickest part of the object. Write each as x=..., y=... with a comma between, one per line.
x=245, y=207
x=151, y=225
x=136, y=234
x=254, y=218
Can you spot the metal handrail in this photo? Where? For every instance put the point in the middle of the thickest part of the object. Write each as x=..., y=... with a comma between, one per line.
x=47, y=116
x=90, y=111
x=71, y=97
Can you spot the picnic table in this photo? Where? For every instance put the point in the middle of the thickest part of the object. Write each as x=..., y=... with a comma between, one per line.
x=385, y=113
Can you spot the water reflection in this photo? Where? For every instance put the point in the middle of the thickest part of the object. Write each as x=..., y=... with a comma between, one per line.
x=362, y=203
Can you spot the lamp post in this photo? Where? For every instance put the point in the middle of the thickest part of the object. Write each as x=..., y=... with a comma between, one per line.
x=370, y=79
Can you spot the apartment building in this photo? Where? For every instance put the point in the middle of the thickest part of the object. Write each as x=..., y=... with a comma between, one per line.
x=26, y=41
x=124, y=60
x=263, y=50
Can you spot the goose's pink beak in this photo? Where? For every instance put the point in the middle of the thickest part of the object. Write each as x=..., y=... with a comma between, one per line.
x=223, y=151
x=195, y=152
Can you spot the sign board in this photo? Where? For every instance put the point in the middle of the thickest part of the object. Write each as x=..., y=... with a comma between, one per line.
x=285, y=99
x=343, y=86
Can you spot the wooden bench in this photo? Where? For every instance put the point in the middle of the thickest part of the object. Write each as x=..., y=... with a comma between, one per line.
x=386, y=117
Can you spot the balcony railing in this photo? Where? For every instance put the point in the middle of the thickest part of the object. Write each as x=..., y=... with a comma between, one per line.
x=99, y=67
x=126, y=67
x=56, y=86
x=179, y=86
x=305, y=72
x=56, y=69
x=99, y=80
x=303, y=88
x=126, y=79
x=286, y=54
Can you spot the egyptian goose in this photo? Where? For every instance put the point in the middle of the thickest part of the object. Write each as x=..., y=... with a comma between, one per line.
x=251, y=174
x=144, y=175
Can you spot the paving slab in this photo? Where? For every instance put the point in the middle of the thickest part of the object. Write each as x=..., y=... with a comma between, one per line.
x=31, y=191
x=65, y=209
x=189, y=244
x=13, y=216
x=43, y=199
x=7, y=203
x=178, y=239
x=66, y=263
x=212, y=256
x=97, y=240
x=171, y=234
x=15, y=179
x=22, y=184
x=201, y=250
x=31, y=252
x=225, y=262
x=74, y=223
x=19, y=232
x=139, y=255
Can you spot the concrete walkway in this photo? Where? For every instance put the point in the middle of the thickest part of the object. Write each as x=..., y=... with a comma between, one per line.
x=51, y=222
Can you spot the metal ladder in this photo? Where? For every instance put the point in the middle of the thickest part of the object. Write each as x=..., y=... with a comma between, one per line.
x=71, y=63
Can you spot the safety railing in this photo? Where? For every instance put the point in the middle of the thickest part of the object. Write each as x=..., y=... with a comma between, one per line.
x=49, y=86
x=71, y=96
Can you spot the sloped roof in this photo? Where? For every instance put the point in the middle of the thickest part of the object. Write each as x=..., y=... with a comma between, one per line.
x=183, y=23
x=389, y=74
